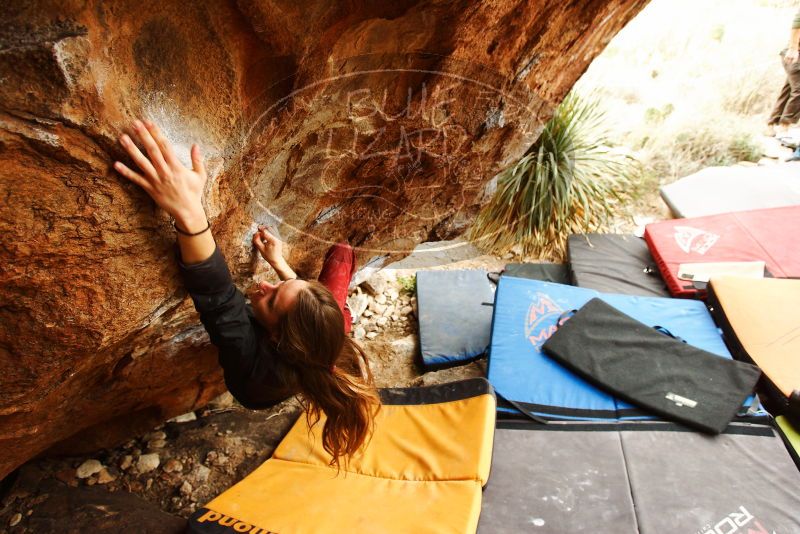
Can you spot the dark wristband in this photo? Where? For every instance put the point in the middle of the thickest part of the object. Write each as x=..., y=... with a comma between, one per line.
x=187, y=233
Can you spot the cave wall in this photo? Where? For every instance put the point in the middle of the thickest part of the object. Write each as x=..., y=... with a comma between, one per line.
x=373, y=122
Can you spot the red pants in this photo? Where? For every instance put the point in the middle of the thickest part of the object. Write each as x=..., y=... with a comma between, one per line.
x=336, y=273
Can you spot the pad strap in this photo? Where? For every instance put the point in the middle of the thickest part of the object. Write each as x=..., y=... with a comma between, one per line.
x=668, y=333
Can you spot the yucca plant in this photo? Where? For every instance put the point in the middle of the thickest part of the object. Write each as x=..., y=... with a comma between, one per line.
x=568, y=181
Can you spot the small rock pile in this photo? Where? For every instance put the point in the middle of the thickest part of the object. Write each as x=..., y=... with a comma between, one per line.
x=176, y=467
x=137, y=457
x=152, y=464
x=380, y=304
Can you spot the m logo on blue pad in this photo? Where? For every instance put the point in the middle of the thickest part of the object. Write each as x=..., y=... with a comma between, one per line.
x=542, y=319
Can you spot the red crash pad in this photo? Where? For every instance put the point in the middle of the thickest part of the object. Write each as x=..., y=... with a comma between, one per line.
x=768, y=235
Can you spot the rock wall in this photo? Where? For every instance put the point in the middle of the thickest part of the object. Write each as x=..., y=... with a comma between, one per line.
x=373, y=122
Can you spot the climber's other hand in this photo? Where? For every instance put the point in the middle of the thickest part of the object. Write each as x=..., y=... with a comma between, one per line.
x=175, y=188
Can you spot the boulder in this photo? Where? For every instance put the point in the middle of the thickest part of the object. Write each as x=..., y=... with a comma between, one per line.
x=377, y=123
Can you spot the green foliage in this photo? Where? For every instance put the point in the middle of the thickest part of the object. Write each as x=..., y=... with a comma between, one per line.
x=718, y=32
x=569, y=181
x=658, y=115
x=751, y=92
x=693, y=147
x=710, y=147
x=408, y=284
x=744, y=148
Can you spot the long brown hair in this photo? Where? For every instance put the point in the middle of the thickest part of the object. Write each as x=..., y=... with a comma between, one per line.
x=330, y=369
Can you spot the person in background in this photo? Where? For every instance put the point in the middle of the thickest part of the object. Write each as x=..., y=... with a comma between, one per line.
x=787, y=108
x=292, y=336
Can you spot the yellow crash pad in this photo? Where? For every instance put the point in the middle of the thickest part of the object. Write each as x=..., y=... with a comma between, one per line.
x=761, y=323
x=422, y=472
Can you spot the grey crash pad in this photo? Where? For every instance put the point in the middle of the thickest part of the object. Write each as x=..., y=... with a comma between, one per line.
x=716, y=190
x=586, y=477
x=455, y=316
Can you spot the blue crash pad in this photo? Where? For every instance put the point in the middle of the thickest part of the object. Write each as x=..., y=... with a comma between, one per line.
x=455, y=316
x=525, y=315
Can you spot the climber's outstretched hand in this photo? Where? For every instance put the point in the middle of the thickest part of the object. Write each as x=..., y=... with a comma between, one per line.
x=176, y=189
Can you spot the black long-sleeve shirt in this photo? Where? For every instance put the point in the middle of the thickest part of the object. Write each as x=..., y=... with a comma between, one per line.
x=252, y=372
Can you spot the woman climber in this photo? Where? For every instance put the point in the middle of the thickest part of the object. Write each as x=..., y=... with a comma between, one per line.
x=292, y=336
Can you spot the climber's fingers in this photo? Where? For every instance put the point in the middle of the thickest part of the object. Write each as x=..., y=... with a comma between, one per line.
x=153, y=150
x=266, y=235
x=164, y=144
x=257, y=242
x=138, y=158
x=133, y=176
x=197, y=160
